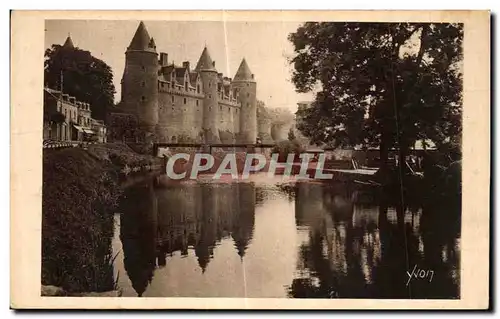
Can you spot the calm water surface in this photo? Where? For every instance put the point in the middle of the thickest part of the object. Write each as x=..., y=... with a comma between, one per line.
x=255, y=239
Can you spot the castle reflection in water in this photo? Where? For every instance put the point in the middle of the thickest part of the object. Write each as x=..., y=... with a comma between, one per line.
x=307, y=242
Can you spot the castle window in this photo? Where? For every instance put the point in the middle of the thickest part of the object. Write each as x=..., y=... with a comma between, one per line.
x=197, y=102
x=143, y=98
x=210, y=84
x=229, y=109
x=210, y=96
x=143, y=84
x=173, y=99
x=248, y=94
x=185, y=86
x=220, y=107
x=172, y=109
x=185, y=101
x=248, y=84
x=198, y=89
x=143, y=68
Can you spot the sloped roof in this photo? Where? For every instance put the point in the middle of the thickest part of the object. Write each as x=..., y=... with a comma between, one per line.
x=180, y=71
x=141, y=40
x=205, y=62
x=243, y=73
x=192, y=77
x=167, y=69
x=68, y=44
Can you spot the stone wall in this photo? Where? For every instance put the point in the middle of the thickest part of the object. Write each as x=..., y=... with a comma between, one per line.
x=140, y=88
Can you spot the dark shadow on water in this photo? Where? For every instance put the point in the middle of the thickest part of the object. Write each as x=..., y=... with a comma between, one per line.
x=360, y=249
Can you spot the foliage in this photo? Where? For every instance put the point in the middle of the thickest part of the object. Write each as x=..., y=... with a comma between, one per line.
x=284, y=148
x=79, y=196
x=84, y=76
x=122, y=127
x=381, y=84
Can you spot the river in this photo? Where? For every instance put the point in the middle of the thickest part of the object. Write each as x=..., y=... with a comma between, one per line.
x=256, y=239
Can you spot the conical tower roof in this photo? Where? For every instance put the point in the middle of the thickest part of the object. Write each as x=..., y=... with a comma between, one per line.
x=141, y=40
x=68, y=44
x=205, y=62
x=243, y=73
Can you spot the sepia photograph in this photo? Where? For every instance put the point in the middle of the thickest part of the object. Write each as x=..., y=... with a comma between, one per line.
x=253, y=158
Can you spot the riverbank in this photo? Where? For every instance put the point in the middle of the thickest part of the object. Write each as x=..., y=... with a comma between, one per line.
x=81, y=189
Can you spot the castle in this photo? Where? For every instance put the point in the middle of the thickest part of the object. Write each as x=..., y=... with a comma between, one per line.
x=181, y=104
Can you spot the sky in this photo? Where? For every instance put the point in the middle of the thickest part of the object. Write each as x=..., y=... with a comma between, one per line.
x=263, y=44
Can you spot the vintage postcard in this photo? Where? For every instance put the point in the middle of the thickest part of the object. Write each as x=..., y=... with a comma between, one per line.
x=250, y=160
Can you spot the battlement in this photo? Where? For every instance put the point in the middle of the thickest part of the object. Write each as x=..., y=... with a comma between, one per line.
x=227, y=99
x=177, y=89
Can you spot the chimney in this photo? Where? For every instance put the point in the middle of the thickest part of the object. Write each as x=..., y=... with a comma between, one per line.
x=163, y=59
x=185, y=65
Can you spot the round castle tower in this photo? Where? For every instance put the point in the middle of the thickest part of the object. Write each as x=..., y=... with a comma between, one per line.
x=206, y=67
x=246, y=86
x=140, y=80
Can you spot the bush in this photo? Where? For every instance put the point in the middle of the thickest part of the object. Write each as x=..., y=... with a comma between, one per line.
x=78, y=201
x=284, y=148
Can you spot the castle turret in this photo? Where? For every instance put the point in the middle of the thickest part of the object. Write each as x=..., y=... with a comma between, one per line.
x=68, y=44
x=206, y=67
x=140, y=80
x=246, y=87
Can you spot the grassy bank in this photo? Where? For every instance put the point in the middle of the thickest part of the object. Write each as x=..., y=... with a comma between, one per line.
x=80, y=193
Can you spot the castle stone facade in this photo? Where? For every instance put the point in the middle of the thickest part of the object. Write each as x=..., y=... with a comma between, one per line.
x=181, y=104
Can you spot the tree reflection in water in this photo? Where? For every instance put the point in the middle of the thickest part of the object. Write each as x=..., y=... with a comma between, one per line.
x=362, y=249
x=350, y=246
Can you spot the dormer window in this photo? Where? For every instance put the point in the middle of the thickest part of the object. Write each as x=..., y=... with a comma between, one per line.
x=198, y=89
x=185, y=86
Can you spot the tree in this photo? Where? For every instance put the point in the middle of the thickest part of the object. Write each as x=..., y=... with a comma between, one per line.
x=381, y=84
x=85, y=77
